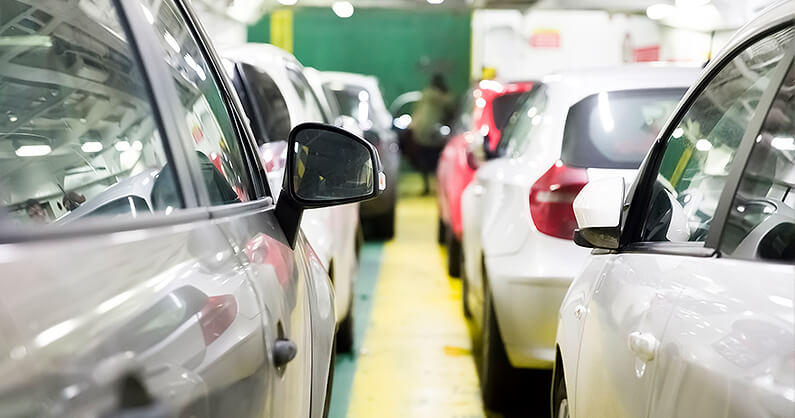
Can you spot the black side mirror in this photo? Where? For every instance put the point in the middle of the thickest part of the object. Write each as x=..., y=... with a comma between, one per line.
x=326, y=166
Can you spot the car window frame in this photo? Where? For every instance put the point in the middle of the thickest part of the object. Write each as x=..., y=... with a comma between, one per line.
x=638, y=197
x=244, y=135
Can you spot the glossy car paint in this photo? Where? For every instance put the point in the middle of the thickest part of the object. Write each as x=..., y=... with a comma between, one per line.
x=378, y=131
x=720, y=330
x=80, y=304
x=331, y=231
x=455, y=170
x=529, y=272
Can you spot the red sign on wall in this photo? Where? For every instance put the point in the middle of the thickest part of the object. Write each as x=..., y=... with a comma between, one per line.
x=647, y=53
x=545, y=38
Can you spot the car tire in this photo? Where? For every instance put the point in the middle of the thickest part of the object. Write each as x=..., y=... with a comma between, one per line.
x=560, y=398
x=497, y=377
x=345, y=332
x=441, y=232
x=453, y=254
x=465, y=290
x=384, y=225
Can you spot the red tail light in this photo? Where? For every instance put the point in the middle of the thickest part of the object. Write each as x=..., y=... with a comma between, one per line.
x=551, y=200
x=216, y=316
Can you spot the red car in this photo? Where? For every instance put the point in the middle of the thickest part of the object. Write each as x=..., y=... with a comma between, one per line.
x=485, y=111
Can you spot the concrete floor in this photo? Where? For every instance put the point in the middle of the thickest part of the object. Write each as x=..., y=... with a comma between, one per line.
x=413, y=356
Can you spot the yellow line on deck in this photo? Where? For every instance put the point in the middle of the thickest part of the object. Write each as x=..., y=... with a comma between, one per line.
x=416, y=358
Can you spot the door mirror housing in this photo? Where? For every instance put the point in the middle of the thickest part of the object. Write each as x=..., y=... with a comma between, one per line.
x=326, y=166
x=598, y=208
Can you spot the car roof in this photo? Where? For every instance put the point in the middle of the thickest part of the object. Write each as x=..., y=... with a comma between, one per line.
x=369, y=82
x=579, y=84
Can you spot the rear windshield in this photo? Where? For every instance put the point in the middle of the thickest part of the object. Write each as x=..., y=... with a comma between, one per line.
x=616, y=129
x=503, y=106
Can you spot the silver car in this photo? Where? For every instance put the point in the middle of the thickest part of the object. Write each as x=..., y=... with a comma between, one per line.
x=144, y=268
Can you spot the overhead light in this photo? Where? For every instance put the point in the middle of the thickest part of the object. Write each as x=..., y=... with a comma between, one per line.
x=288, y=2
x=783, y=143
x=171, y=42
x=605, y=112
x=435, y=1
x=138, y=145
x=33, y=150
x=703, y=145
x=343, y=9
x=12, y=117
x=122, y=146
x=660, y=11
x=91, y=146
x=148, y=14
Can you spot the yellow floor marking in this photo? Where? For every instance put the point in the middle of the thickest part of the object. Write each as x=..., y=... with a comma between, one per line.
x=416, y=357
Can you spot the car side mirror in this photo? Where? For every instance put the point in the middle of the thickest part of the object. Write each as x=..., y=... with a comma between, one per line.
x=326, y=166
x=598, y=208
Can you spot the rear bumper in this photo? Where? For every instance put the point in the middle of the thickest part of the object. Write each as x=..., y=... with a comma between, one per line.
x=528, y=288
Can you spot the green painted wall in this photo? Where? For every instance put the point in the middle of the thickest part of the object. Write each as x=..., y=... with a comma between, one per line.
x=401, y=47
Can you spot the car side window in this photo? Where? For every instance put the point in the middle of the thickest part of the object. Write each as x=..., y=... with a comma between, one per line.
x=700, y=150
x=270, y=104
x=314, y=112
x=523, y=123
x=218, y=150
x=77, y=130
x=761, y=221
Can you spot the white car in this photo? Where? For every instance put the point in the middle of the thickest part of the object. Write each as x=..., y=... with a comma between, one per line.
x=685, y=308
x=518, y=222
x=277, y=96
x=359, y=96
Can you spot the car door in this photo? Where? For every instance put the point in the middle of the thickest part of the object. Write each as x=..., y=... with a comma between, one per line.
x=655, y=293
x=226, y=164
x=732, y=330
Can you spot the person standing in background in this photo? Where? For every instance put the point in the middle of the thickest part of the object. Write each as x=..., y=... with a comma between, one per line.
x=430, y=113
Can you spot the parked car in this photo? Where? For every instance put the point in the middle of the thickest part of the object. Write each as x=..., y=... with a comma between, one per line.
x=685, y=307
x=401, y=109
x=484, y=112
x=171, y=284
x=277, y=96
x=519, y=255
x=359, y=96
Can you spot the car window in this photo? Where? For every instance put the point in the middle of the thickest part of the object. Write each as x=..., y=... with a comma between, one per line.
x=522, y=123
x=314, y=112
x=701, y=149
x=77, y=126
x=217, y=147
x=615, y=129
x=464, y=121
x=355, y=102
x=503, y=106
x=130, y=205
x=761, y=221
x=271, y=109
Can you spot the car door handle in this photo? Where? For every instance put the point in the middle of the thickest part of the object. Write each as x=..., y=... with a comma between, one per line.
x=284, y=351
x=643, y=344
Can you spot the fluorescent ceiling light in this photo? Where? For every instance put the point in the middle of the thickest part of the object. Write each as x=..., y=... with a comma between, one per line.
x=343, y=9
x=148, y=14
x=783, y=143
x=605, y=112
x=288, y=2
x=171, y=42
x=435, y=1
x=91, y=146
x=122, y=146
x=660, y=11
x=33, y=150
x=703, y=145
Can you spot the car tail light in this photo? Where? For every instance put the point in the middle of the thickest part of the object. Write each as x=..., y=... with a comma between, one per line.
x=216, y=316
x=273, y=155
x=551, y=199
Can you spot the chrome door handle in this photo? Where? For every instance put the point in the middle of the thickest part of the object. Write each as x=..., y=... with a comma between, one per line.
x=643, y=344
x=284, y=351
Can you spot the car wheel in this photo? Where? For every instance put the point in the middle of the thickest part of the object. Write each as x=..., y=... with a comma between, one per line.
x=464, y=289
x=497, y=377
x=453, y=254
x=384, y=225
x=560, y=399
x=441, y=232
x=345, y=333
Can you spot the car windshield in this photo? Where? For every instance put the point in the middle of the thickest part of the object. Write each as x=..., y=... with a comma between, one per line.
x=616, y=129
